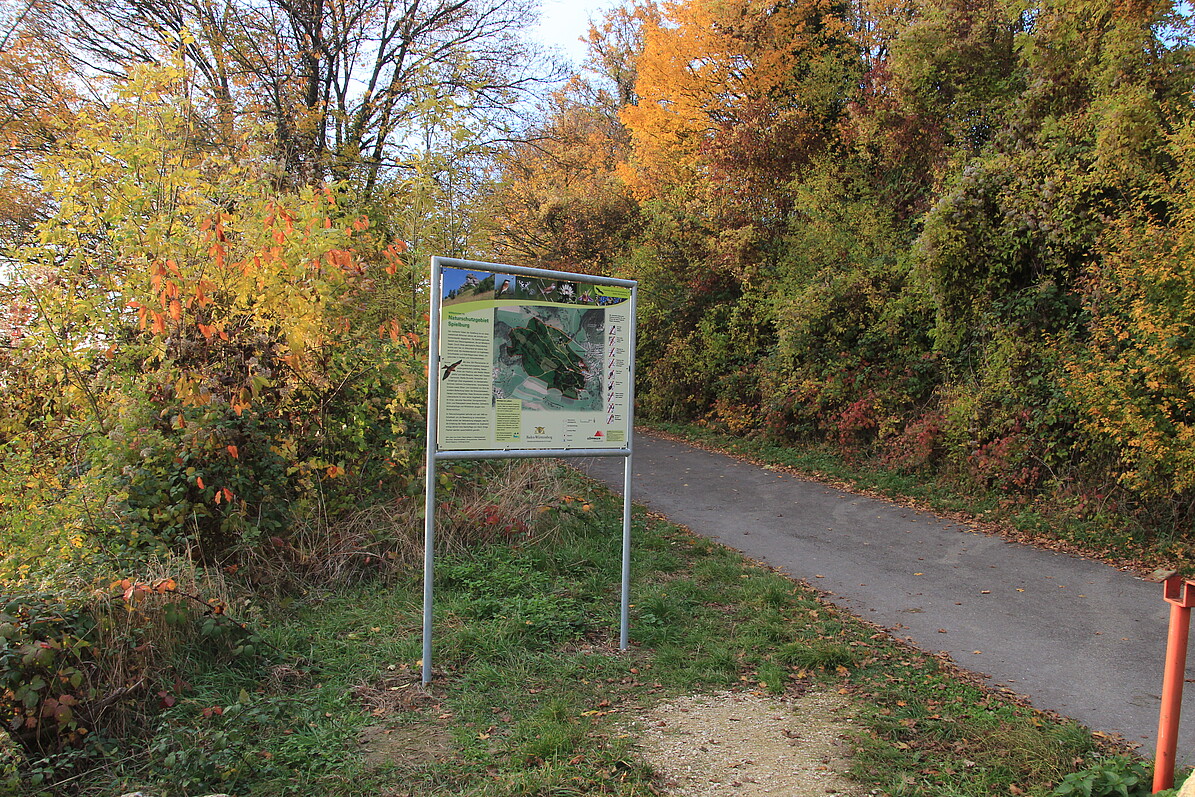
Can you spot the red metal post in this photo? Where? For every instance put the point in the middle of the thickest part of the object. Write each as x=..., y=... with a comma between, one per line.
x=1180, y=595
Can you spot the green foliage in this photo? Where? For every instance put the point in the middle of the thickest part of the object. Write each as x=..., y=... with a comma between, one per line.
x=1134, y=380
x=948, y=243
x=340, y=435
x=46, y=515
x=76, y=675
x=955, y=70
x=1114, y=776
x=1001, y=248
x=45, y=672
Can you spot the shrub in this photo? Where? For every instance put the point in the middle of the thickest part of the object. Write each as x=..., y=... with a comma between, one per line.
x=1114, y=776
x=46, y=672
x=75, y=671
x=203, y=337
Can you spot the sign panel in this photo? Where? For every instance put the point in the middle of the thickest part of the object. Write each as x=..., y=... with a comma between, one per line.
x=530, y=360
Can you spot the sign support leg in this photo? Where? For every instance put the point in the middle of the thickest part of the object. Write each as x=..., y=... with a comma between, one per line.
x=624, y=632
x=429, y=547
x=433, y=445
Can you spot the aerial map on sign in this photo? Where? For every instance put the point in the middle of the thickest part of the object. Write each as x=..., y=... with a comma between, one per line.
x=549, y=357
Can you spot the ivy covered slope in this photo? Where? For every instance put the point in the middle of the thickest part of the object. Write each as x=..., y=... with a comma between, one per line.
x=950, y=239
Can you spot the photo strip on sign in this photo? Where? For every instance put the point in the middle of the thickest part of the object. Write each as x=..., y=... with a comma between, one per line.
x=532, y=362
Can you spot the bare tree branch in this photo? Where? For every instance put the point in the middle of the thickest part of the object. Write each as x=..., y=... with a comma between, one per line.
x=342, y=83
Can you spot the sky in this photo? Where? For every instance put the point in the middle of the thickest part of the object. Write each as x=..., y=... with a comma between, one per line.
x=564, y=22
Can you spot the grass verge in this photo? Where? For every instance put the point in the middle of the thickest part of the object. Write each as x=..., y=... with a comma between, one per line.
x=532, y=698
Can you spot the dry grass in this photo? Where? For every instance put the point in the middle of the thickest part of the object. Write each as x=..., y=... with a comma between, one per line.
x=496, y=500
x=509, y=502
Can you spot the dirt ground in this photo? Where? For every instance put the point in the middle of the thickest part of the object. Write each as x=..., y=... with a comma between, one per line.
x=731, y=743
x=747, y=745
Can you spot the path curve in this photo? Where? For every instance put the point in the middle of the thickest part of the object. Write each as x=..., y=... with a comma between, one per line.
x=1075, y=636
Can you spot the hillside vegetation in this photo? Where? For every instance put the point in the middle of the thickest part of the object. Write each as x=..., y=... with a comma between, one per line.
x=949, y=238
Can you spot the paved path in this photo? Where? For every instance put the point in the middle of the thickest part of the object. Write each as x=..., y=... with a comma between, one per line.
x=1074, y=636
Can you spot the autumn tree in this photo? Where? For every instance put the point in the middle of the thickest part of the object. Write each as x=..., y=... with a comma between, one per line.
x=748, y=89
x=188, y=333
x=557, y=199
x=559, y=202
x=615, y=44
x=342, y=84
x=37, y=104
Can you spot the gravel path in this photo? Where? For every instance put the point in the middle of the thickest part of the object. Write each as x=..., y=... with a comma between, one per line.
x=745, y=745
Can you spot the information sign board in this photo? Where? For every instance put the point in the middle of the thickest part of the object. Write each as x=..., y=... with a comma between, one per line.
x=527, y=363
x=530, y=360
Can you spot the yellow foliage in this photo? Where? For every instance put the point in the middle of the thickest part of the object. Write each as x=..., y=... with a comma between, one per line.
x=1136, y=381
x=156, y=231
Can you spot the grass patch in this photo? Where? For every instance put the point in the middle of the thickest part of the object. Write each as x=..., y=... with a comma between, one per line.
x=532, y=698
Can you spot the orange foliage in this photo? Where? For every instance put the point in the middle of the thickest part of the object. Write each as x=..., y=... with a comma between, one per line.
x=709, y=66
x=36, y=108
x=35, y=98
x=559, y=201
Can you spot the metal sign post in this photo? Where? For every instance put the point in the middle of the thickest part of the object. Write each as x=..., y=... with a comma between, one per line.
x=1180, y=594
x=543, y=364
